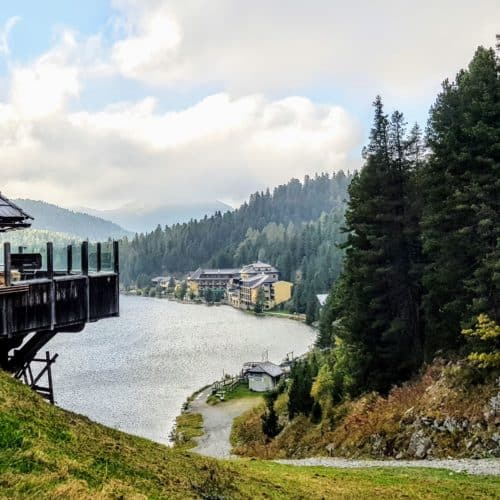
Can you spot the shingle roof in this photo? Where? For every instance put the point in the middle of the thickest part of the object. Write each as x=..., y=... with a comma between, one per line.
x=12, y=216
x=201, y=273
x=257, y=281
x=267, y=367
x=259, y=267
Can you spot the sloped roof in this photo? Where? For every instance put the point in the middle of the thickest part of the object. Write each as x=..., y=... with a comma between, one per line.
x=259, y=267
x=257, y=281
x=322, y=298
x=12, y=216
x=267, y=367
x=201, y=273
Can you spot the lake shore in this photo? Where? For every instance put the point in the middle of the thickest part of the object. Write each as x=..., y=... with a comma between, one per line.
x=273, y=313
x=142, y=366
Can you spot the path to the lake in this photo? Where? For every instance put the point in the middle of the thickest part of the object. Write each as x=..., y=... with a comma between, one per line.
x=218, y=420
x=217, y=423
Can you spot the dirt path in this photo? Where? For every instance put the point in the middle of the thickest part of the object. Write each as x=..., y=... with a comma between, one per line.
x=481, y=466
x=218, y=420
x=217, y=423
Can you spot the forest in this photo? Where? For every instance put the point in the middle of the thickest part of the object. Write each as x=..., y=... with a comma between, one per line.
x=298, y=228
x=421, y=271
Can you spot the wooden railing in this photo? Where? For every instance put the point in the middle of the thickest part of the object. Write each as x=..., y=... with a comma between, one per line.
x=58, y=300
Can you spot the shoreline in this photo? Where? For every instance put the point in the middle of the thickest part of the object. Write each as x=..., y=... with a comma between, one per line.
x=272, y=314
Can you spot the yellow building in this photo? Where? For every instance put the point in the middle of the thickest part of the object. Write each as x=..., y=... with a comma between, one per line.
x=242, y=285
x=201, y=279
x=274, y=291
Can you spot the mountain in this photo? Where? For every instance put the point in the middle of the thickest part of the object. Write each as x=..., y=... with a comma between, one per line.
x=141, y=219
x=53, y=218
x=297, y=228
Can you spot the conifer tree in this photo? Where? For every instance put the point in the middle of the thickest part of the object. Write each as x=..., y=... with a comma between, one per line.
x=380, y=301
x=461, y=213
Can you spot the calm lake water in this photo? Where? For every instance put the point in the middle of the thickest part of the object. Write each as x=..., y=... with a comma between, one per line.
x=134, y=372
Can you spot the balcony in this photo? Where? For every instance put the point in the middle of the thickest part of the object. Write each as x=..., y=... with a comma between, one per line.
x=56, y=290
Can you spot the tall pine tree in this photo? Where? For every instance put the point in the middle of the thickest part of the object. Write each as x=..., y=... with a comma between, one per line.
x=461, y=214
x=379, y=306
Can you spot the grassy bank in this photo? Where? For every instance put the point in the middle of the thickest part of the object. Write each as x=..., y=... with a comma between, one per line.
x=46, y=452
x=240, y=391
x=188, y=426
x=440, y=414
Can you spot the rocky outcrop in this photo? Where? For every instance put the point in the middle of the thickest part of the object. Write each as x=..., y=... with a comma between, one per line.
x=424, y=436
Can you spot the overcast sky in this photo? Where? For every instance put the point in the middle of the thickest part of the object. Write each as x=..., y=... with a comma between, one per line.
x=104, y=103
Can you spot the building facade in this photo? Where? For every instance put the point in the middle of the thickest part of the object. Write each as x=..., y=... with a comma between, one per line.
x=243, y=287
x=201, y=279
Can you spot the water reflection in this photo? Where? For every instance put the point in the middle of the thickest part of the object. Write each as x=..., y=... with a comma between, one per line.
x=134, y=373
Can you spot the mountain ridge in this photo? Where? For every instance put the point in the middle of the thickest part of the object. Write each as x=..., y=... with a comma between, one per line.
x=54, y=218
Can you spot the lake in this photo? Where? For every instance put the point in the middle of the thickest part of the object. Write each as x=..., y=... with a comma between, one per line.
x=134, y=372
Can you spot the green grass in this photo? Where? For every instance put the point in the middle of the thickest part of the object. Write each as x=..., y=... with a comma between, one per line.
x=240, y=391
x=49, y=453
x=188, y=426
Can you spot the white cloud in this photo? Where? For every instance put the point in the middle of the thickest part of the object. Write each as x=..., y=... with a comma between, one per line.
x=5, y=32
x=221, y=147
x=380, y=46
x=239, y=138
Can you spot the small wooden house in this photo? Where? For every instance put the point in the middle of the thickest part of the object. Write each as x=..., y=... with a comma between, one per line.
x=263, y=376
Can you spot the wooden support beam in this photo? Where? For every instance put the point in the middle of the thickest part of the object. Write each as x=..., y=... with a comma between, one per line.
x=50, y=260
x=6, y=264
x=116, y=257
x=98, y=258
x=85, y=258
x=69, y=258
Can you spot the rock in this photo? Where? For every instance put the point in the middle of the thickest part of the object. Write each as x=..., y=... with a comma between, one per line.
x=419, y=444
x=330, y=448
x=450, y=425
x=378, y=445
x=399, y=456
x=494, y=405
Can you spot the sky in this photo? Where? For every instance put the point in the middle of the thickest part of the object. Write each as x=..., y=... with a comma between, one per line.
x=149, y=102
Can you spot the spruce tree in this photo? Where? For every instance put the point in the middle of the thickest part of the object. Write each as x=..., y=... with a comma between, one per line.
x=461, y=213
x=380, y=301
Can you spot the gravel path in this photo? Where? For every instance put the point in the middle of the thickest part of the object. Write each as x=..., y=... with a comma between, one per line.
x=481, y=466
x=217, y=423
x=218, y=419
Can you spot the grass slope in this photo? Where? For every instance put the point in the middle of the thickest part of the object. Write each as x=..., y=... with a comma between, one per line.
x=46, y=452
x=445, y=404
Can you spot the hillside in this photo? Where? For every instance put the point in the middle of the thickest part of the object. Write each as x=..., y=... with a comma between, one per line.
x=448, y=411
x=142, y=219
x=297, y=228
x=46, y=452
x=61, y=220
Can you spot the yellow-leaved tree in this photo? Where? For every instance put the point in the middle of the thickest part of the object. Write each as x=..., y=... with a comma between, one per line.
x=487, y=331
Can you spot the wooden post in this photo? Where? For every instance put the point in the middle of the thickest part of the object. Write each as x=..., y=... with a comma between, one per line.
x=50, y=276
x=116, y=257
x=85, y=272
x=85, y=258
x=69, y=257
x=50, y=260
x=116, y=268
x=6, y=264
x=98, y=258
x=49, y=377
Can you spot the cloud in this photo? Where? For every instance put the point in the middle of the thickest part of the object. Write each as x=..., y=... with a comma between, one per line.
x=221, y=147
x=386, y=46
x=5, y=32
x=261, y=126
